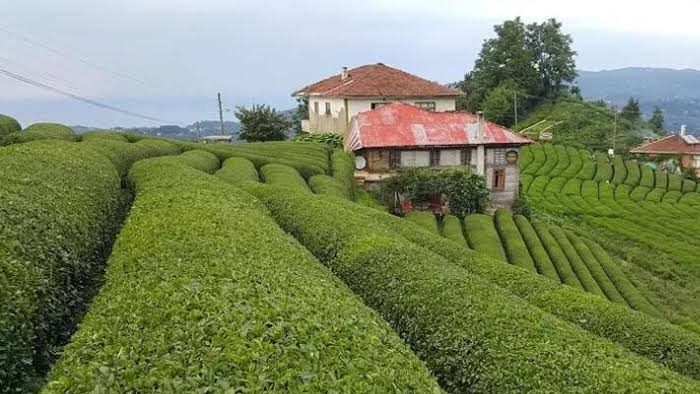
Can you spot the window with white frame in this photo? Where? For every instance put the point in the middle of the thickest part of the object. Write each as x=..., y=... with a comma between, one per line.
x=499, y=156
x=316, y=107
x=450, y=157
x=415, y=158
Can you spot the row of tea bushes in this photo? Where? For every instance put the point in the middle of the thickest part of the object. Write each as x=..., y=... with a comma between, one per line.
x=60, y=205
x=482, y=236
x=343, y=169
x=328, y=185
x=281, y=175
x=447, y=314
x=200, y=301
x=513, y=243
x=235, y=170
x=656, y=339
x=424, y=219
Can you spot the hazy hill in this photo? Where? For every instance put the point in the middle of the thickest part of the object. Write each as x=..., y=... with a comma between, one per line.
x=676, y=92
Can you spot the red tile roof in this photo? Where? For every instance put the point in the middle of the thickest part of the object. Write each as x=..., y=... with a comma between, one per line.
x=377, y=80
x=672, y=144
x=404, y=125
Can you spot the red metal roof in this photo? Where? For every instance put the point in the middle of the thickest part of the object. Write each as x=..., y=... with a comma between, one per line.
x=404, y=125
x=377, y=80
x=672, y=144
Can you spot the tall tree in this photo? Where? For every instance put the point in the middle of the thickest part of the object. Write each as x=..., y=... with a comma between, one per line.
x=657, y=119
x=553, y=57
x=500, y=104
x=538, y=58
x=262, y=123
x=631, y=110
x=301, y=113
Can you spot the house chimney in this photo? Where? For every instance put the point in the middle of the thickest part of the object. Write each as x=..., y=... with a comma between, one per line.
x=683, y=127
x=344, y=74
x=480, y=126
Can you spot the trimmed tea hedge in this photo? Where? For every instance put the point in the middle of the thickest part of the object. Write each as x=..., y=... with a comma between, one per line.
x=551, y=160
x=661, y=180
x=103, y=135
x=482, y=236
x=575, y=163
x=572, y=186
x=672, y=196
x=343, y=169
x=556, y=254
x=538, y=159
x=424, y=219
x=577, y=265
x=633, y=173
x=41, y=131
x=526, y=157
x=588, y=166
x=537, y=252
x=452, y=229
x=675, y=183
x=646, y=176
x=556, y=185
x=512, y=241
x=281, y=175
x=205, y=293
x=61, y=205
x=328, y=185
x=619, y=170
x=597, y=272
x=604, y=170
x=237, y=169
x=8, y=125
x=631, y=294
x=447, y=314
x=655, y=195
x=563, y=161
x=688, y=186
x=639, y=193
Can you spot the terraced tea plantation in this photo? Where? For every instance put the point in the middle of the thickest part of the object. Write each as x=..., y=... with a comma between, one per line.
x=140, y=265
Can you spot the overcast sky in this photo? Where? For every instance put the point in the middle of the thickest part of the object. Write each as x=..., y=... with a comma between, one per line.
x=168, y=58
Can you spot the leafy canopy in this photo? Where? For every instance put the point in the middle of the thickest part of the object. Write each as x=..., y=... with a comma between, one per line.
x=262, y=123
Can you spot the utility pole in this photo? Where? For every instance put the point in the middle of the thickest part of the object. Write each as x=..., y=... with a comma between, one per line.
x=221, y=114
x=515, y=106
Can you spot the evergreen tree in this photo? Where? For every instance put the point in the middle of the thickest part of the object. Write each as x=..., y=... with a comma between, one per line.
x=499, y=103
x=657, y=119
x=262, y=123
x=631, y=110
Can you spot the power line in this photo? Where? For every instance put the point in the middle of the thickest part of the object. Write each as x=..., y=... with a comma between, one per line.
x=63, y=54
x=79, y=98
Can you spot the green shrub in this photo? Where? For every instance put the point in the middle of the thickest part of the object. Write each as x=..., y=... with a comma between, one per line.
x=633, y=173
x=589, y=190
x=538, y=185
x=281, y=175
x=335, y=140
x=237, y=169
x=8, y=125
x=534, y=245
x=655, y=195
x=631, y=294
x=603, y=168
x=244, y=309
x=103, y=134
x=526, y=157
x=690, y=199
x=577, y=265
x=424, y=219
x=328, y=185
x=661, y=180
x=537, y=161
x=639, y=193
x=343, y=169
x=672, y=196
x=688, y=186
x=41, y=131
x=572, y=186
x=512, y=241
x=201, y=160
x=525, y=181
x=675, y=183
x=551, y=161
x=622, y=192
x=482, y=236
x=61, y=207
x=452, y=229
x=588, y=166
x=563, y=161
x=447, y=314
x=619, y=170
x=555, y=185
x=646, y=176
x=557, y=256
x=575, y=163
x=594, y=267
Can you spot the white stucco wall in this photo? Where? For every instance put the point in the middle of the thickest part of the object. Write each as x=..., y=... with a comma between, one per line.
x=337, y=105
x=356, y=105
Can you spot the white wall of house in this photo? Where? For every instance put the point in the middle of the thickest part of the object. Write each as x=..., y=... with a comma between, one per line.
x=337, y=121
x=357, y=105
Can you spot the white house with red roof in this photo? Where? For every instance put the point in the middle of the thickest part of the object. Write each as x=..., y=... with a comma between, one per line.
x=683, y=145
x=401, y=135
x=335, y=100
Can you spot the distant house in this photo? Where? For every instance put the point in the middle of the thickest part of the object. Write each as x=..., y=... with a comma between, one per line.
x=335, y=100
x=216, y=139
x=686, y=146
x=402, y=136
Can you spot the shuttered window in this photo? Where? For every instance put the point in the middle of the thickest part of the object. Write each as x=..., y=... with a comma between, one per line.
x=466, y=157
x=415, y=158
x=499, y=179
